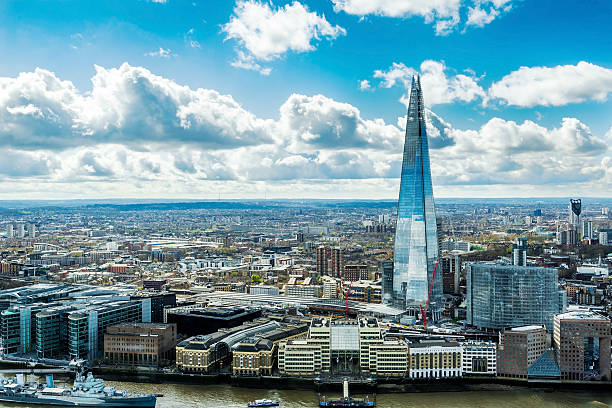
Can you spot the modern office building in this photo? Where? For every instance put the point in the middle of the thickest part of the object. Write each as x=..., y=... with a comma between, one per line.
x=140, y=344
x=435, y=359
x=86, y=328
x=343, y=347
x=153, y=304
x=582, y=342
x=518, y=349
x=386, y=272
x=479, y=358
x=587, y=229
x=199, y=321
x=264, y=290
x=451, y=273
x=330, y=288
x=416, y=239
x=501, y=296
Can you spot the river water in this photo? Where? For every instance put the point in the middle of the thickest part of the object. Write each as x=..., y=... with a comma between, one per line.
x=225, y=396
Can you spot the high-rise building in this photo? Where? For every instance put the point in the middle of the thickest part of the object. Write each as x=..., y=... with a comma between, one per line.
x=416, y=239
x=587, y=229
x=20, y=231
x=500, y=296
x=519, y=348
x=582, y=342
x=519, y=252
x=321, y=259
x=32, y=231
x=10, y=230
x=575, y=209
x=386, y=268
x=337, y=262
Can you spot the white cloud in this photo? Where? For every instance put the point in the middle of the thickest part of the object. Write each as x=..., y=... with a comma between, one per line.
x=553, y=86
x=136, y=133
x=265, y=32
x=161, y=53
x=247, y=61
x=445, y=14
x=364, y=85
x=438, y=87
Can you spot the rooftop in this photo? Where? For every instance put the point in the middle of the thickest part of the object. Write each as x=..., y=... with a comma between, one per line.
x=581, y=315
x=533, y=327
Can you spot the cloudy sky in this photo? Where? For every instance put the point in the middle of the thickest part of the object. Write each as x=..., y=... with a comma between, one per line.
x=302, y=99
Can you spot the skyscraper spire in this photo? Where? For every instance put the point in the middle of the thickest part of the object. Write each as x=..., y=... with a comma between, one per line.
x=416, y=244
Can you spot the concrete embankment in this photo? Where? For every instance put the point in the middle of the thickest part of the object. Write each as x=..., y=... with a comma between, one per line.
x=381, y=386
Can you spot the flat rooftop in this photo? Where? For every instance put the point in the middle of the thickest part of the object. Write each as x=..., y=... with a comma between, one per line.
x=527, y=328
x=580, y=315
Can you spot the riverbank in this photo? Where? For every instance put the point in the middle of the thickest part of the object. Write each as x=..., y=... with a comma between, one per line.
x=380, y=386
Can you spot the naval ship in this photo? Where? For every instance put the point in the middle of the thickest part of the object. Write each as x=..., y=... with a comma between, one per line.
x=86, y=391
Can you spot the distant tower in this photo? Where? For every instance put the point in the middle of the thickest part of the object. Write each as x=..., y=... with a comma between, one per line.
x=519, y=252
x=20, y=230
x=587, y=229
x=32, y=231
x=337, y=262
x=416, y=240
x=10, y=230
x=575, y=209
x=321, y=259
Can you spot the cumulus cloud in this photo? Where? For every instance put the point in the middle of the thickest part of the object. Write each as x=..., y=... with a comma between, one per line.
x=553, y=86
x=444, y=14
x=135, y=130
x=364, y=85
x=265, y=32
x=438, y=87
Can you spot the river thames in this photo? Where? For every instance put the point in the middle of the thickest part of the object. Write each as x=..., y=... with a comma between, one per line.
x=225, y=396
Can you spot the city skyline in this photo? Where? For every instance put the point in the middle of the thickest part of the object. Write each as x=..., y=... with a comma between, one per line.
x=302, y=99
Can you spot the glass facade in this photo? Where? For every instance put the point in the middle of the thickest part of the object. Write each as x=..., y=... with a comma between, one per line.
x=502, y=296
x=416, y=242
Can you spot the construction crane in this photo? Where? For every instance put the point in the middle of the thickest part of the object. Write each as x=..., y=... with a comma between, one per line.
x=424, y=311
x=346, y=295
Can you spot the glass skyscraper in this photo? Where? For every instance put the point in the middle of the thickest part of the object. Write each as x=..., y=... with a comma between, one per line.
x=416, y=242
x=501, y=296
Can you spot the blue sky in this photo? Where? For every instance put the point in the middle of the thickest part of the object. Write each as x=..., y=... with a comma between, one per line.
x=302, y=98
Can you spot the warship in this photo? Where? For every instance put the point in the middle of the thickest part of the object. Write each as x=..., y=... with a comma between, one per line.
x=86, y=391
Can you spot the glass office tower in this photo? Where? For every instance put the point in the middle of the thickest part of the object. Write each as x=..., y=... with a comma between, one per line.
x=416, y=243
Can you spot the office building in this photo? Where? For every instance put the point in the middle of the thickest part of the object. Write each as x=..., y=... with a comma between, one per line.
x=365, y=291
x=518, y=349
x=416, y=238
x=435, y=359
x=519, y=252
x=386, y=272
x=500, y=296
x=199, y=321
x=305, y=291
x=86, y=328
x=330, y=288
x=140, y=344
x=264, y=290
x=153, y=304
x=343, y=347
x=10, y=230
x=582, y=342
x=479, y=358
x=575, y=209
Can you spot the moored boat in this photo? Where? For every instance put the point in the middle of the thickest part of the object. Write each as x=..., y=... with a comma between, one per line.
x=264, y=403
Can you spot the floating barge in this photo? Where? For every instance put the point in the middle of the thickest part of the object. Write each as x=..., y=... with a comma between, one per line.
x=346, y=400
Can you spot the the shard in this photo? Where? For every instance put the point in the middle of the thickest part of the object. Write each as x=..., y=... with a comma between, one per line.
x=416, y=243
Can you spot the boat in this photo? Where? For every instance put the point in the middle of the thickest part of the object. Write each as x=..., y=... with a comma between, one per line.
x=86, y=391
x=264, y=403
x=346, y=401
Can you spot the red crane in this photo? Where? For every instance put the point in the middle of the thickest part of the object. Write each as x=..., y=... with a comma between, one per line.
x=346, y=295
x=424, y=312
